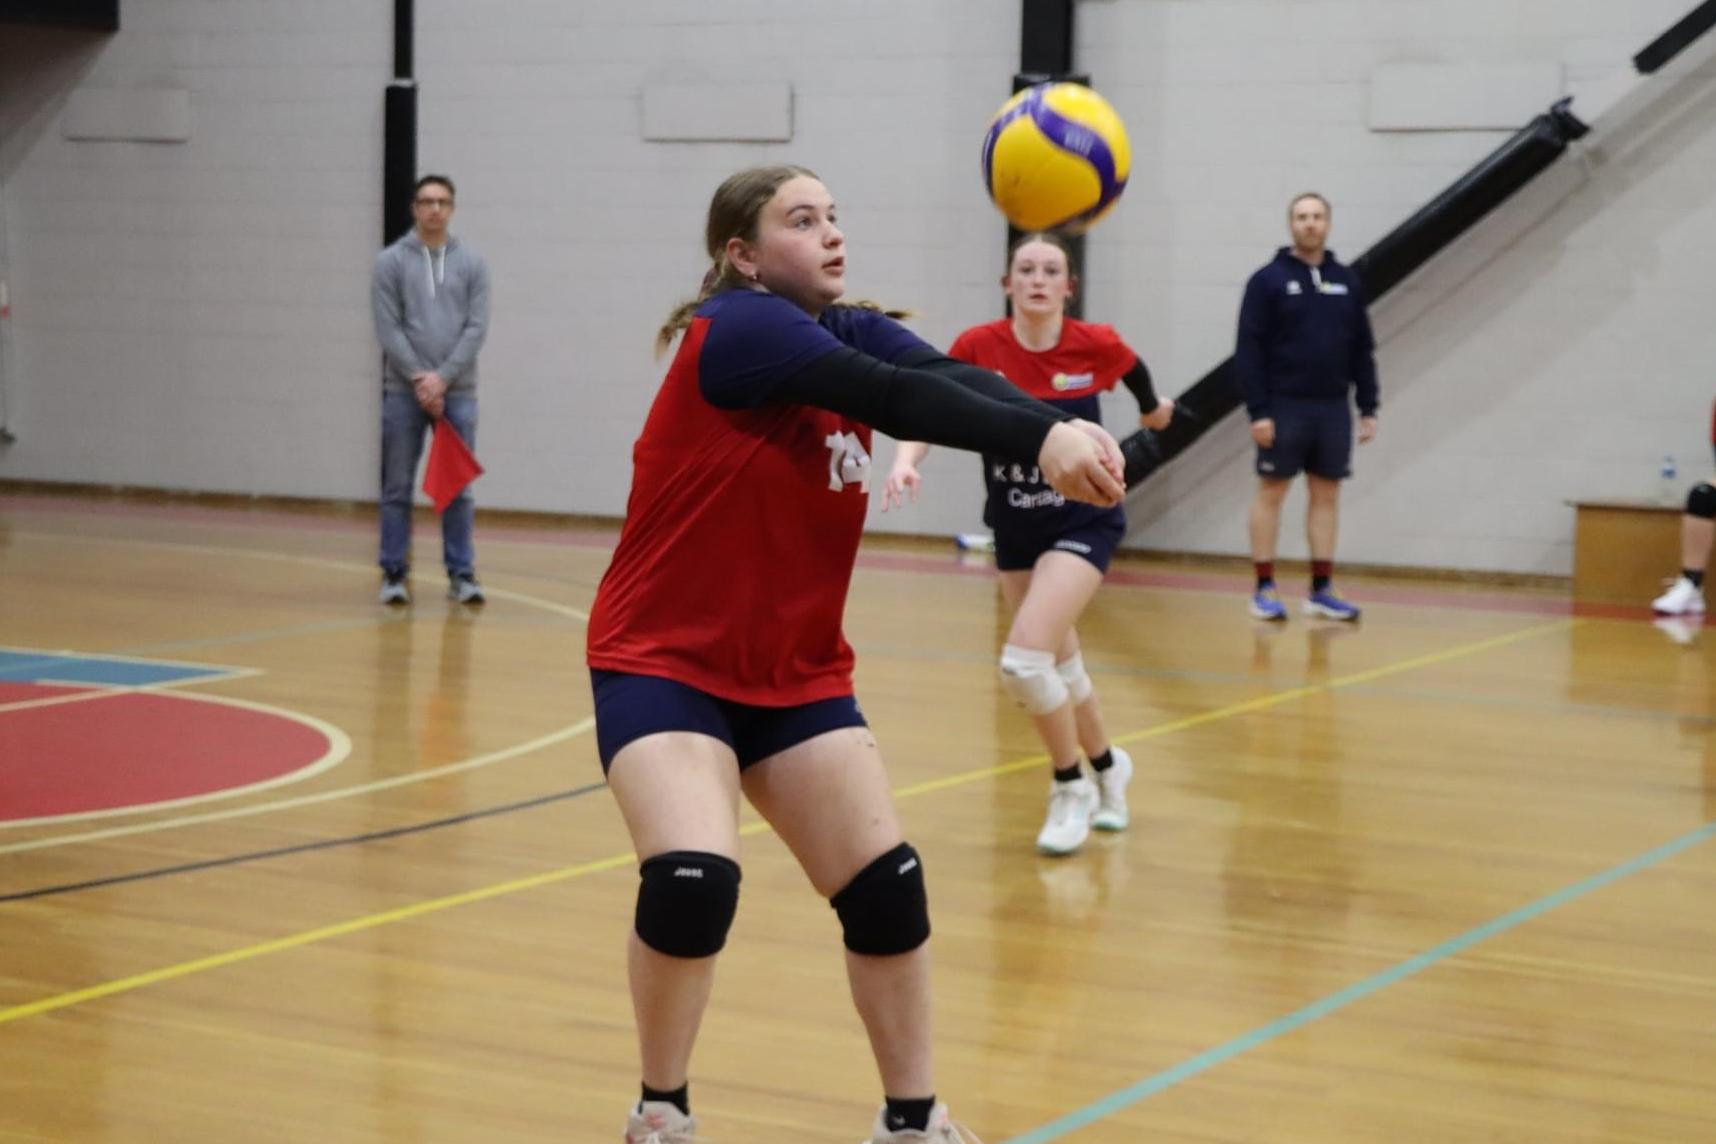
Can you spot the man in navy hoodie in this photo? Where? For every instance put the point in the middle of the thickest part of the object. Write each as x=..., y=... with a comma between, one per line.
x=1305, y=350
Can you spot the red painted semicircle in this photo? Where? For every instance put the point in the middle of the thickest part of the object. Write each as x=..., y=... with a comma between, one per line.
x=135, y=749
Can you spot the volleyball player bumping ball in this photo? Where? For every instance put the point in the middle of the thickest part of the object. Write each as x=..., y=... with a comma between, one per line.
x=717, y=659
x=1056, y=156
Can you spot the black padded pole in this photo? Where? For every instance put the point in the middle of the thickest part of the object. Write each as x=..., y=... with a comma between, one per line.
x=399, y=159
x=1677, y=39
x=1046, y=55
x=399, y=129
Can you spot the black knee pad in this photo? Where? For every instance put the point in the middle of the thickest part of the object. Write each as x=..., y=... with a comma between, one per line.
x=1701, y=501
x=686, y=902
x=884, y=910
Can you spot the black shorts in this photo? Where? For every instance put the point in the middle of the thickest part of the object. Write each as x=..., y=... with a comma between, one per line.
x=1094, y=542
x=1313, y=437
x=629, y=707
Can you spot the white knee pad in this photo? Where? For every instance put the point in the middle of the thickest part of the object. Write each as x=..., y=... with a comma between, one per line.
x=1029, y=676
x=1072, y=673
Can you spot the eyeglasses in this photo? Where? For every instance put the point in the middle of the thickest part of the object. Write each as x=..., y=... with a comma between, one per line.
x=442, y=204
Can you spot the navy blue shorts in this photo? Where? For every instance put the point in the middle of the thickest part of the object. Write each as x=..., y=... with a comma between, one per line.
x=1094, y=542
x=1314, y=437
x=629, y=707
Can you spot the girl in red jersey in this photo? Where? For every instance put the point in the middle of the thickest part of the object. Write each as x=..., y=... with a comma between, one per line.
x=1051, y=554
x=716, y=653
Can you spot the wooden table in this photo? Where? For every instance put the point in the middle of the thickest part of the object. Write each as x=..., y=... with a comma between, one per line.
x=1624, y=548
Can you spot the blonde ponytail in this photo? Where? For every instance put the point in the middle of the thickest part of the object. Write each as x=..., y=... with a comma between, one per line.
x=721, y=276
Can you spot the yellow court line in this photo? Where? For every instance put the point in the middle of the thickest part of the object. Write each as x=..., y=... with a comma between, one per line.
x=535, y=881
x=1261, y=703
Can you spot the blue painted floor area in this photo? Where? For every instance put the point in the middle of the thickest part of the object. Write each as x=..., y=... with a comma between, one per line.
x=41, y=667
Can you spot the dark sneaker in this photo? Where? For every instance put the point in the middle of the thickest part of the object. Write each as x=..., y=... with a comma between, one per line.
x=394, y=590
x=464, y=589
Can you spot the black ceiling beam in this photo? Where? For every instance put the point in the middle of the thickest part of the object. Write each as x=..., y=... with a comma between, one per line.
x=91, y=15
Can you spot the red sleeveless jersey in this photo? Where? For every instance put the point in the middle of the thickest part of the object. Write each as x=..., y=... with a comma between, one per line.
x=744, y=518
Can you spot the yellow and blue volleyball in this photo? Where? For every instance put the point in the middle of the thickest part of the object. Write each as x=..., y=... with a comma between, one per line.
x=1056, y=157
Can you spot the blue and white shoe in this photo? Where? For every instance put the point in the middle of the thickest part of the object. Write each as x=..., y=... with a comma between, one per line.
x=1329, y=605
x=1266, y=605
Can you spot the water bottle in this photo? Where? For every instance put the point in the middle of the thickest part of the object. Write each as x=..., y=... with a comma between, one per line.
x=1668, y=483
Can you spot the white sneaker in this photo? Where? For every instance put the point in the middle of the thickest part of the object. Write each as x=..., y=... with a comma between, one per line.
x=941, y=1130
x=1111, y=813
x=1070, y=807
x=660, y=1122
x=1682, y=599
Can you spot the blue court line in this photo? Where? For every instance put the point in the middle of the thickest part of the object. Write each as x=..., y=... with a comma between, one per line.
x=1185, y=1070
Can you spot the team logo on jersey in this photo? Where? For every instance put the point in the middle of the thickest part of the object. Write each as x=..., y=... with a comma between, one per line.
x=848, y=463
x=1332, y=287
x=1065, y=381
x=1015, y=473
x=1293, y=287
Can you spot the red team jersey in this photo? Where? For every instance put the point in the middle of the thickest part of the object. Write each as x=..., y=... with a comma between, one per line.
x=744, y=518
x=1088, y=360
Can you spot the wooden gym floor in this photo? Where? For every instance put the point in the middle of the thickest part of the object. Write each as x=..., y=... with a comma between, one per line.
x=1447, y=876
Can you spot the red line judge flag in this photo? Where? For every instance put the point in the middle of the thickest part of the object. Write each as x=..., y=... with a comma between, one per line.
x=451, y=466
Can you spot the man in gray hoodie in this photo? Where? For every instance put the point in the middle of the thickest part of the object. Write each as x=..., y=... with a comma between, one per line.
x=430, y=293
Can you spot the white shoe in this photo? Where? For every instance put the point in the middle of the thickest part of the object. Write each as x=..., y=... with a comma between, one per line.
x=1682, y=599
x=1070, y=807
x=660, y=1122
x=941, y=1131
x=1111, y=813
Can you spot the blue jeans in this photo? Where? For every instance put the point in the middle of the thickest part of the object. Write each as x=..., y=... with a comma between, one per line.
x=403, y=426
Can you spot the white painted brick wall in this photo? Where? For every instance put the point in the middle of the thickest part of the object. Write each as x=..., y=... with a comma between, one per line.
x=196, y=316
x=594, y=234
x=1564, y=366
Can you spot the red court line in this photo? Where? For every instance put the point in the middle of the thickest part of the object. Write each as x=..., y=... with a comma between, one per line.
x=1237, y=583
x=275, y=519
x=1240, y=585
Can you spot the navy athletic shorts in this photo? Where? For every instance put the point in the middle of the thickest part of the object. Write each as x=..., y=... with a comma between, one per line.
x=629, y=707
x=1314, y=437
x=1094, y=542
